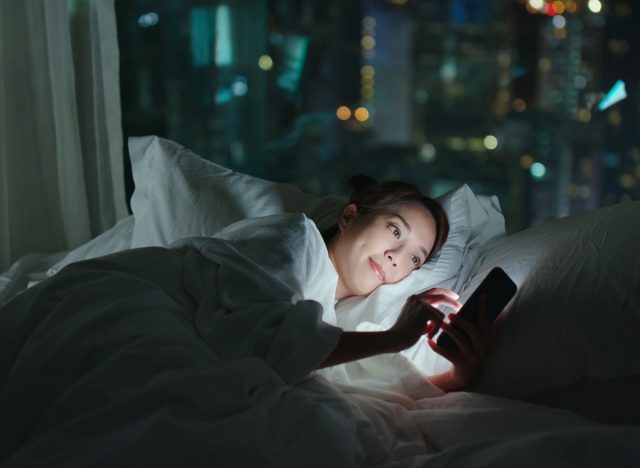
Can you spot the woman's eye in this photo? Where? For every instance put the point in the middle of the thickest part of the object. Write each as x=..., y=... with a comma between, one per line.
x=395, y=231
x=415, y=260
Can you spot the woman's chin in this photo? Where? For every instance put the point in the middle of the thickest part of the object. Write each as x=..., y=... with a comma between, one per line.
x=368, y=289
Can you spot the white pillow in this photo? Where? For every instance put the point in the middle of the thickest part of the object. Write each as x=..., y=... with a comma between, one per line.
x=112, y=240
x=577, y=310
x=178, y=194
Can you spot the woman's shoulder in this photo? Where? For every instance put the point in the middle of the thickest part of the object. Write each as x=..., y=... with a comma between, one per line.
x=278, y=225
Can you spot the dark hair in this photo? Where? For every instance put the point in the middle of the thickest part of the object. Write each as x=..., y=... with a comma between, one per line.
x=370, y=196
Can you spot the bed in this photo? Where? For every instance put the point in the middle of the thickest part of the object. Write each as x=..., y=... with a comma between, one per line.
x=112, y=357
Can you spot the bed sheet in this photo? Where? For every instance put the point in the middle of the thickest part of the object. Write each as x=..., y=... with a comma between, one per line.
x=137, y=359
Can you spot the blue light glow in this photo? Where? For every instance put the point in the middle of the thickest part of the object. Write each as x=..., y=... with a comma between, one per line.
x=148, y=19
x=202, y=39
x=538, y=170
x=239, y=86
x=616, y=94
x=224, y=50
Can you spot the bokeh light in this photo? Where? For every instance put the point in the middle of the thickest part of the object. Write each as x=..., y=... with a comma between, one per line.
x=265, y=62
x=559, y=6
x=536, y=4
x=559, y=22
x=368, y=42
x=427, y=153
x=490, y=142
x=526, y=161
x=368, y=71
x=595, y=6
x=369, y=22
x=519, y=105
x=343, y=113
x=626, y=181
x=571, y=6
x=544, y=64
x=148, y=19
x=361, y=114
x=538, y=170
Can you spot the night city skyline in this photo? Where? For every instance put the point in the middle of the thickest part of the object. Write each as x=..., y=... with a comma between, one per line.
x=501, y=95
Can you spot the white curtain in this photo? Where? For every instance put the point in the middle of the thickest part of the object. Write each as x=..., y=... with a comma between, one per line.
x=61, y=167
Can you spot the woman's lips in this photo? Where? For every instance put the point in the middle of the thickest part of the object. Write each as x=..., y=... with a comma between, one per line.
x=377, y=270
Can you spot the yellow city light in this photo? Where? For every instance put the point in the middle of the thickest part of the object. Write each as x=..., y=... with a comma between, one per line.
x=367, y=71
x=361, y=114
x=526, y=161
x=536, y=4
x=343, y=113
x=490, y=142
x=559, y=7
x=595, y=6
x=368, y=42
x=265, y=62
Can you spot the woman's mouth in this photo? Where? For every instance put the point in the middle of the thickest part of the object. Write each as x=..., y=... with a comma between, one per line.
x=377, y=269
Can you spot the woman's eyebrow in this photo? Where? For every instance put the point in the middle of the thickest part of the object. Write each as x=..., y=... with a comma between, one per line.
x=404, y=221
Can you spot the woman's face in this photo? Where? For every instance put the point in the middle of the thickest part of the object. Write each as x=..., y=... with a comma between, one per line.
x=381, y=247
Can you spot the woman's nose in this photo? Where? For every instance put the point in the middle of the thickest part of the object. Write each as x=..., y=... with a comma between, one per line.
x=390, y=258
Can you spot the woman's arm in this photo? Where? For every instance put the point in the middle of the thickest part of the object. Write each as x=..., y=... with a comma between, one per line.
x=418, y=317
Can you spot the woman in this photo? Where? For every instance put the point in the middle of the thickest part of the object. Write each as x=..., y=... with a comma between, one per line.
x=203, y=350
x=386, y=231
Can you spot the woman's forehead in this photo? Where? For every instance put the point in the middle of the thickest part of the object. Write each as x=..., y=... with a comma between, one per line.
x=408, y=212
x=417, y=220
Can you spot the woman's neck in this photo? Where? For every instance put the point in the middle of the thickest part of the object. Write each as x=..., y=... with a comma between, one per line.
x=341, y=293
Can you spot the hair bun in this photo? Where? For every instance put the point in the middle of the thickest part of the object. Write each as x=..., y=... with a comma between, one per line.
x=360, y=183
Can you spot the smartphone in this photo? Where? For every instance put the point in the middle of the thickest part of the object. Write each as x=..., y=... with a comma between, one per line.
x=498, y=290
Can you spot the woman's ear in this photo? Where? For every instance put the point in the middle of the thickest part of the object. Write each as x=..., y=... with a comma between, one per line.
x=348, y=214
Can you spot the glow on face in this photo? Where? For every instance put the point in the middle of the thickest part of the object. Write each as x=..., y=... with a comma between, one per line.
x=380, y=248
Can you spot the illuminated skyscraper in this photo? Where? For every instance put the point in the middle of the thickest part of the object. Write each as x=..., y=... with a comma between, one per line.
x=462, y=97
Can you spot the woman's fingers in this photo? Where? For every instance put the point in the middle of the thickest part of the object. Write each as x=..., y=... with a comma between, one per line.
x=445, y=291
x=442, y=299
x=440, y=292
x=441, y=296
x=473, y=343
x=431, y=329
x=432, y=318
x=451, y=356
x=471, y=333
x=465, y=346
x=418, y=318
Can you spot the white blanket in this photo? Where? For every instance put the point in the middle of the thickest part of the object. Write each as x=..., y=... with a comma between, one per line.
x=203, y=356
x=126, y=357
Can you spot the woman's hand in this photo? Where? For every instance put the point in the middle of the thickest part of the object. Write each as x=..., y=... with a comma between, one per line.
x=473, y=346
x=441, y=296
x=419, y=316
